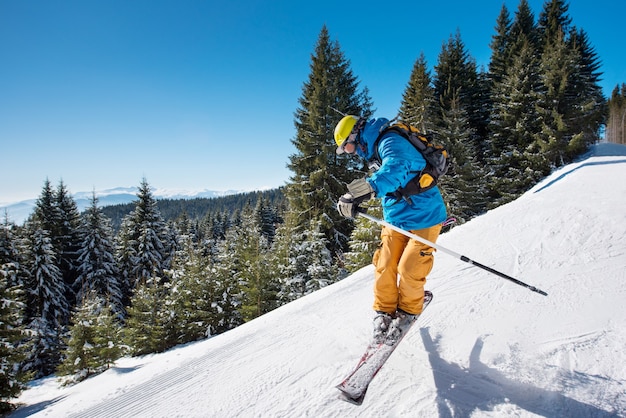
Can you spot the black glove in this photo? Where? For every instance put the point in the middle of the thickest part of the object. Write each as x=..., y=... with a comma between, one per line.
x=359, y=191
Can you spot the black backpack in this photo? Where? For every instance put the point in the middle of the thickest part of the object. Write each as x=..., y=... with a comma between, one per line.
x=436, y=156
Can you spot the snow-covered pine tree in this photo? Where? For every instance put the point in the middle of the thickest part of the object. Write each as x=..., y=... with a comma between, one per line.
x=249, y=264
x=463, y=187
x=67, y=240
x=516, y=161
x=364, y=239
x=228, y=300
x=57, y=213
x=80, y=359
x=145, y=328
x=280, y=263
x=44, y=348
x=144, y=248
x=573, y=109
x=45, y=285
x=557, y=65
x=456, y=81
x=192, y=295
x=587, y=93
x=311, y=264
x=125, y=256
x=47, y=308
x=108, y=336
x=11, y=252
x=460, y=127
x=266, y=218
x=45, y=212
x=94, y=340
x=12, y=331
x=97, y=268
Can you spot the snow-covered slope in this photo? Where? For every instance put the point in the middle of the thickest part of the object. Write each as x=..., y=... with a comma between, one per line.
x=486, y=347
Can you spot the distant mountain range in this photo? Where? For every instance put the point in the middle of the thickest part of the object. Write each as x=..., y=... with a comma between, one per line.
x=18, y=212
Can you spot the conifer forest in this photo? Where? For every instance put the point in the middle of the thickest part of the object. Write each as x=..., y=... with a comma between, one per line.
x=80, y=290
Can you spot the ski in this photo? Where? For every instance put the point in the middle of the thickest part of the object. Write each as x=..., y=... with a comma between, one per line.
x=354, y=387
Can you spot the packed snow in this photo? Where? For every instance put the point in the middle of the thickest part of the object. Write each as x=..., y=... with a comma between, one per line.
x=485, y=347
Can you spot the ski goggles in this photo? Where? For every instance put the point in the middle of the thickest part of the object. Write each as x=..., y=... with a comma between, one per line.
x=349, y=145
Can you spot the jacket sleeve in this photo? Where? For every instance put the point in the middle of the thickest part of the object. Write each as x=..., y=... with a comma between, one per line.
x=400, y=162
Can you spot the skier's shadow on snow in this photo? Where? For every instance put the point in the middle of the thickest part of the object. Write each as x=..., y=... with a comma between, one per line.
x=461, y=391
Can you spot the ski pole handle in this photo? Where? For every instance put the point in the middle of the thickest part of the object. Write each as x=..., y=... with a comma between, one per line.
x=452, y=253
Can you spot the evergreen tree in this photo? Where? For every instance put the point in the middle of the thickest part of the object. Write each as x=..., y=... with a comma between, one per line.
x=250, y=266
x=516, y=161
x=557, y=65
x=12, y=332
x=97, y=269
x=10, y=254
x=457, y=82
x=364, y=240
x=500, y=47
x=57, y=213
x=144, y=248
x=574, y=109
x=44, y=347
x=125, y=256
x=319, y=174
x=311, y=264
x=67, y=240
x=266, y=218
x=462, y=186
x=79, y=357
x=46, y=304
x=192, y=296
x=461, y=126
x=617, y=112
x=108, y=336
x=46, y=210
x=588, y=101
x=228, y=290
x=45, y=283
x=92, y=344
x=280, y=260
x=418, y=99
x=553, y=21
x=524, y=32
x=145, y=328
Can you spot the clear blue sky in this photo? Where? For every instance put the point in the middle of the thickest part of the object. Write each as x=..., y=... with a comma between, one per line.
x=201, y=94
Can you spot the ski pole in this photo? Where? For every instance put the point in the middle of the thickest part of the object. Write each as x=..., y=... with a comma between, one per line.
x=452, y=253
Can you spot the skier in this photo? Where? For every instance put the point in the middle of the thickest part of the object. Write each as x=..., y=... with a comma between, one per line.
x=400, y=299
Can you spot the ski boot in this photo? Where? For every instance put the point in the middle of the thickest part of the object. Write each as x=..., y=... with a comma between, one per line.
x=382, y=320
x=399, y=325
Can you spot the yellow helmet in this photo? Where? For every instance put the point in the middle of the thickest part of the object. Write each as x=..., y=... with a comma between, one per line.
x=344, y=128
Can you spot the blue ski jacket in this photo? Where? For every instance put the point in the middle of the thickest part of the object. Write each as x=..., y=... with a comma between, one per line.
x=400, y=162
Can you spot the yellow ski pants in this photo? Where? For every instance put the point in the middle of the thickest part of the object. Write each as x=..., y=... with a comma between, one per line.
x=401, y=266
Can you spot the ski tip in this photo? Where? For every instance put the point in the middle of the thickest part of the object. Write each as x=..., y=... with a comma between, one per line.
x=347, y=398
